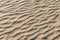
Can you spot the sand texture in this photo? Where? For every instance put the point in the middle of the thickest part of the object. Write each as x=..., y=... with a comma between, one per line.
x=29, y=19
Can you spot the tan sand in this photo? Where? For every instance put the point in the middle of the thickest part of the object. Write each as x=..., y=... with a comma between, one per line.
x=29, y=19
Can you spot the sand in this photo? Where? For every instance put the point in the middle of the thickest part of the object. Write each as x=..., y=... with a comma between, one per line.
x=29, y=19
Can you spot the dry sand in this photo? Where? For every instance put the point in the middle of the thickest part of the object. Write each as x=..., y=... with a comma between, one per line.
x=29, y=19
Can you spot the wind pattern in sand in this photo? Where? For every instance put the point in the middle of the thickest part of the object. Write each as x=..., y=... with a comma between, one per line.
x=29, y=19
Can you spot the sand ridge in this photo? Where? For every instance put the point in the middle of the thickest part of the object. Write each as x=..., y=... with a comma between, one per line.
x=30, y=20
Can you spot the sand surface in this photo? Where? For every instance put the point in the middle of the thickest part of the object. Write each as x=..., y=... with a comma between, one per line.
x=29, y=19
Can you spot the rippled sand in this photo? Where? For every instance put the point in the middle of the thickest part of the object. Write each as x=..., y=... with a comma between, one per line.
x=29, y=19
